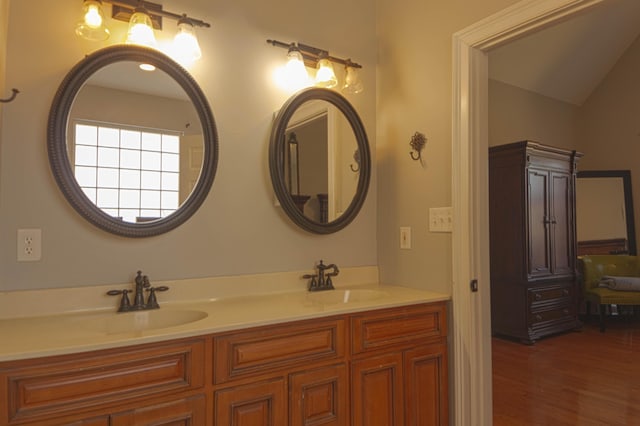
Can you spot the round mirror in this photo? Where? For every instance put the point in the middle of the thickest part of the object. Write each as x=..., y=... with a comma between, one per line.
x=132, y=141
x=319, y=160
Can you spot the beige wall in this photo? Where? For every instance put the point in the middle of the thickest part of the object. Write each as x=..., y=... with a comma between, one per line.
x=605, y=128
x=238, y=230
x=4, y=22
x=414, y=94
x=516, y=114
x=610, y=130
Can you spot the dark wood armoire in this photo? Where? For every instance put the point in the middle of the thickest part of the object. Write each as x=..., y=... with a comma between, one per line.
x=533, y=240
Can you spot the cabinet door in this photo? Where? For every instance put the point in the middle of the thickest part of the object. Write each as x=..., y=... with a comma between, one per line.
x=539, y=259
x=426, y=386
x=561, y=229
x=184, y=412
x=377, y=391
x=259, y=404
x=320, y=397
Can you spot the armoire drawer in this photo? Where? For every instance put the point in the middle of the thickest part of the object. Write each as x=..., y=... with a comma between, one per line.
x=557, y=313
x=555, y=294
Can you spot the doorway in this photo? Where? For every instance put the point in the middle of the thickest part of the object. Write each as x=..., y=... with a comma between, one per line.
x=471, y=332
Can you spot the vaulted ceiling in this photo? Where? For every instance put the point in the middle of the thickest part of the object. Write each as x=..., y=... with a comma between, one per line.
x=567, y=61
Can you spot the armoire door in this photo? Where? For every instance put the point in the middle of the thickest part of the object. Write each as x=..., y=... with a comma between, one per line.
x=539, y=257
x=561, y=231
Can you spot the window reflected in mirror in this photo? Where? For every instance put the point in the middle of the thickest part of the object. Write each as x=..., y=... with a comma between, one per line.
x=134, y=143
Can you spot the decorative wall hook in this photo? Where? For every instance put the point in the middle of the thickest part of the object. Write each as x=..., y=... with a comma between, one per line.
x=418, y=141
x=12, y=97
x=356, y=158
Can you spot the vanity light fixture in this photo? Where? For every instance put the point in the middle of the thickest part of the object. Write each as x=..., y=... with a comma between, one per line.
x=143, y=17
x=296, y=73
x=141, y=29
x=325, y=75
x=91, y=26
x=320, y=59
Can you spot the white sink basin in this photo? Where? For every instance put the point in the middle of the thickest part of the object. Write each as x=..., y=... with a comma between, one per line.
x=333, y=297
x=114, y=323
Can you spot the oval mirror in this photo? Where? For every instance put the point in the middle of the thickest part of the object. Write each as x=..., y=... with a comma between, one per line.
x=319, y=160
x=134, y=151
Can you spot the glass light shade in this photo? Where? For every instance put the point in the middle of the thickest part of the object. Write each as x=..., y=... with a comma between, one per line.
x=91, y=26
x=185, y=44
x=141, y=30
x=352, y=82
x=325, y=76
x=295, y=72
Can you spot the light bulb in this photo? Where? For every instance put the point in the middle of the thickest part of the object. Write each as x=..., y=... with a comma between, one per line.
x=295, y=71
x=186, y=48
x=141, y=29
x=325, y=76
x=91, y=25
x=352, y=82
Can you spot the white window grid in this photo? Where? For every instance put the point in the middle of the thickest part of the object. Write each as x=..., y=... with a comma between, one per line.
x=127, y=172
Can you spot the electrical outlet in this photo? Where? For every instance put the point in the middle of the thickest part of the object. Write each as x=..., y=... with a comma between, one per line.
x=405, y=237
x=29, y=245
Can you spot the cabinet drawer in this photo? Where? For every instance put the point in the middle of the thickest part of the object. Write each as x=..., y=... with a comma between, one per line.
x=265, y=349
x=77, y=383
x=549, y=294
x=397, y=326
x=559, y=313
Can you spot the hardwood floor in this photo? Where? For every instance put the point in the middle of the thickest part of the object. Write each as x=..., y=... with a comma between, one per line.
x=575, y=378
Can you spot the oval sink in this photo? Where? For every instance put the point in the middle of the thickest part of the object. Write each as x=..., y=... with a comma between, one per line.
x=331, y=297
x=142, y=320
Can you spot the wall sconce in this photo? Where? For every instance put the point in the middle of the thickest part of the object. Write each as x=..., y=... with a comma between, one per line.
x=319, y=59
x=417, y=142
x=143, y=17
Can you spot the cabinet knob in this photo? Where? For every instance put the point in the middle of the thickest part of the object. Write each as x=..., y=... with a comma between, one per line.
x=538, y=296
x=538, y=317
x=565, y=292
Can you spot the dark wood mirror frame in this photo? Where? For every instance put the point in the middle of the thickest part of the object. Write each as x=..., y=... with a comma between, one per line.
x=625, y=175
x=277, y=148
x=57, y=140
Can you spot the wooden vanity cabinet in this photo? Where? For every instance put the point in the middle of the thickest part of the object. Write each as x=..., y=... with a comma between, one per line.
x=383, y=367
x=296, y=371
x=88, y=388
x=399, y=369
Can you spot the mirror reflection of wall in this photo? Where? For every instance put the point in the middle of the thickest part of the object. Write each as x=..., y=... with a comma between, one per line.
x=309, y=176
x=136, y=148
x=600, y=202
x=604, y=212
x=324, y=146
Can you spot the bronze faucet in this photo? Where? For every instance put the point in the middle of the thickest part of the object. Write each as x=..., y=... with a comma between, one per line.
x=141, y=284
x=322, y=281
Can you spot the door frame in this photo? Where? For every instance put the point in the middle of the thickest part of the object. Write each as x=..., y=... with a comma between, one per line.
x=471, y=328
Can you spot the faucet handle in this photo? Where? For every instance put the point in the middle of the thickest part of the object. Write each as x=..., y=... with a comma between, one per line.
x=313, y=283
x=152, y=302
x=125, y=304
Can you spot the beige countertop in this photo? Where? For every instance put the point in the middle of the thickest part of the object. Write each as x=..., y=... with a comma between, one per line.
x=70, y=332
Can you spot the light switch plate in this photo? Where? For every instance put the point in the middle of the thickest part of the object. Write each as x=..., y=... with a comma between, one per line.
x=440, y=219
x=405, y=237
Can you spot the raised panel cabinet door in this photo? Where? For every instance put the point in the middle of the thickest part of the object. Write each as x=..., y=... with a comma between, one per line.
x=377, y=391
x=258, y=404
x=426, y=386
x=561, y=220
x=319, y=397
x=184, y=412
x=539, y=260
